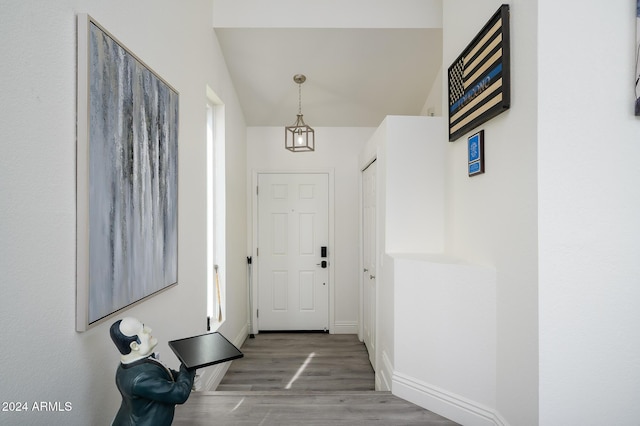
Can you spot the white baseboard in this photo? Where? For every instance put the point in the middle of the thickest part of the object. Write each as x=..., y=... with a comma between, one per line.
x=445, y=403
x=345, y=327
x=384, y=374
x=213, y=375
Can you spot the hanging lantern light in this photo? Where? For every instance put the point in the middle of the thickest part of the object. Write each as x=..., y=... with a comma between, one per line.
x=299, y=137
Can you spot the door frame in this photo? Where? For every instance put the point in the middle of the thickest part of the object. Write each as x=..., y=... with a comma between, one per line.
x=253, y=197
x=364, y=166
x=363, y=283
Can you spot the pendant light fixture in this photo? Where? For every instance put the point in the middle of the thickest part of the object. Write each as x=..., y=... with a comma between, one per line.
x=299, y=137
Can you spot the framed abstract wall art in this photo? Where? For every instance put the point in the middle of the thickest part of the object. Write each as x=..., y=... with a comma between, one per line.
x=479, y=79
x=127, y=178
x=637, y=108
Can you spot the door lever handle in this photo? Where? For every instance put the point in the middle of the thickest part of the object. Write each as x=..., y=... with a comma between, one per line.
x=371, y=276
x=322, y=264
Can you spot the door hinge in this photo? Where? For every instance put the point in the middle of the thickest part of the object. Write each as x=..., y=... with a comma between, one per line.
x=257, y=313
x=208, y=323
x=257, y=190
x=257, y=251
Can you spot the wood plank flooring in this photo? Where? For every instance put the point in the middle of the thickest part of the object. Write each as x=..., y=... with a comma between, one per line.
x=301, y=361
x=275, y=408
x=310, y=379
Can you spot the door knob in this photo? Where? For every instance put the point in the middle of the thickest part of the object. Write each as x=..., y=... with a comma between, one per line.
x=322, y=264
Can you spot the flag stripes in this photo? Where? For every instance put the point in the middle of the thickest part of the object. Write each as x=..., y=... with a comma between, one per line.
x=479, y=78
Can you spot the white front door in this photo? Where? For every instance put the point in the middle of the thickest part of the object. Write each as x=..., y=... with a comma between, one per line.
x=293, y=226
x=369, y=261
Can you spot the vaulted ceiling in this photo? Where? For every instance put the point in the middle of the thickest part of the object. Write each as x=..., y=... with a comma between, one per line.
x=370, y=65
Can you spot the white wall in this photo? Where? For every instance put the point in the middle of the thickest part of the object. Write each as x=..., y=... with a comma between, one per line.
x=492, y=218
x=42, y=357
x=414, y=184
x=436, y=315
x=337, y=150
x=589, y=205
x=560, y=182
x=433, y=105
x=409, y=216
x=445, y=337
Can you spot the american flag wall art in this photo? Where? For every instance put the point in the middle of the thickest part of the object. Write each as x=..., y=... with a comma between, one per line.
x=479, y=79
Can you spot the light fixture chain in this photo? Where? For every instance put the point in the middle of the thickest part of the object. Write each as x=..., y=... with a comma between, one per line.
x=299, y=98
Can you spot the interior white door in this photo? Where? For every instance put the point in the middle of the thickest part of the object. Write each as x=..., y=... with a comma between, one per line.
x=293, y=226
x=369, y=261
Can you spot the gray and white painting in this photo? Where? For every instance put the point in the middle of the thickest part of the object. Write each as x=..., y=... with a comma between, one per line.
x=133, y=182
x=637, y=58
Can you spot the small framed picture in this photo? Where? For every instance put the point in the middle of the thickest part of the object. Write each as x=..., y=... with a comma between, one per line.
x=476, y=153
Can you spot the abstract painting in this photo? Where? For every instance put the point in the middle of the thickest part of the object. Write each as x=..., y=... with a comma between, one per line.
x=127, y=178
x=637, y=57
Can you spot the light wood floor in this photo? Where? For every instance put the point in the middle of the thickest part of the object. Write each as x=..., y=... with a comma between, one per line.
x=301, y=361
x=301, y=379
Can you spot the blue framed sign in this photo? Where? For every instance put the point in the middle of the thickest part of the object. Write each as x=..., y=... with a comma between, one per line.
x=475, y=145
x=479, y=79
